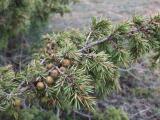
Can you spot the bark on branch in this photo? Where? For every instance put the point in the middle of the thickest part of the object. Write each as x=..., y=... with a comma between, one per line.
x=110, y=37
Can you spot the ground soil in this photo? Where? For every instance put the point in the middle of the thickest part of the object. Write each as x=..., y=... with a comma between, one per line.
x=115, y=10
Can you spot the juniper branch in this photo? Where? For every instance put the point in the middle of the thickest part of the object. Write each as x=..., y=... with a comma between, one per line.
x=110, y=37
x=100, y=65
x=95, y=43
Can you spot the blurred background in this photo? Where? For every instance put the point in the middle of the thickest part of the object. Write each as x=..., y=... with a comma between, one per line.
x=115, y=10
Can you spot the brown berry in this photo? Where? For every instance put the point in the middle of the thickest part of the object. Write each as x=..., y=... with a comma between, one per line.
x=62, y=69
x=54, y=73
x=49, y=66
x=49, y=80
x=66, y=62
x=17, y=103
x=40, y=85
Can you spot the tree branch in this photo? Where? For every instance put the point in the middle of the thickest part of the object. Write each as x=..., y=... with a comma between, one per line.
x=95, y=43
x=110, y=37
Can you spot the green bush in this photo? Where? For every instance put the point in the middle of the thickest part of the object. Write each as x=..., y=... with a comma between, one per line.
x=19, y=17
x=111, y=113
x=32, y=113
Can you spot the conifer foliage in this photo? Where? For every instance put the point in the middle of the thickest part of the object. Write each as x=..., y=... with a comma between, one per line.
x=74, y=69
x=17, y=17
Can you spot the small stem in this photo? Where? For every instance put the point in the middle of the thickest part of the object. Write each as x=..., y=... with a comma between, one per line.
x=87, y=40
x=59, y=70
x=95, y=43
x=83, y=114
x=142, y=111
x=58, y=113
